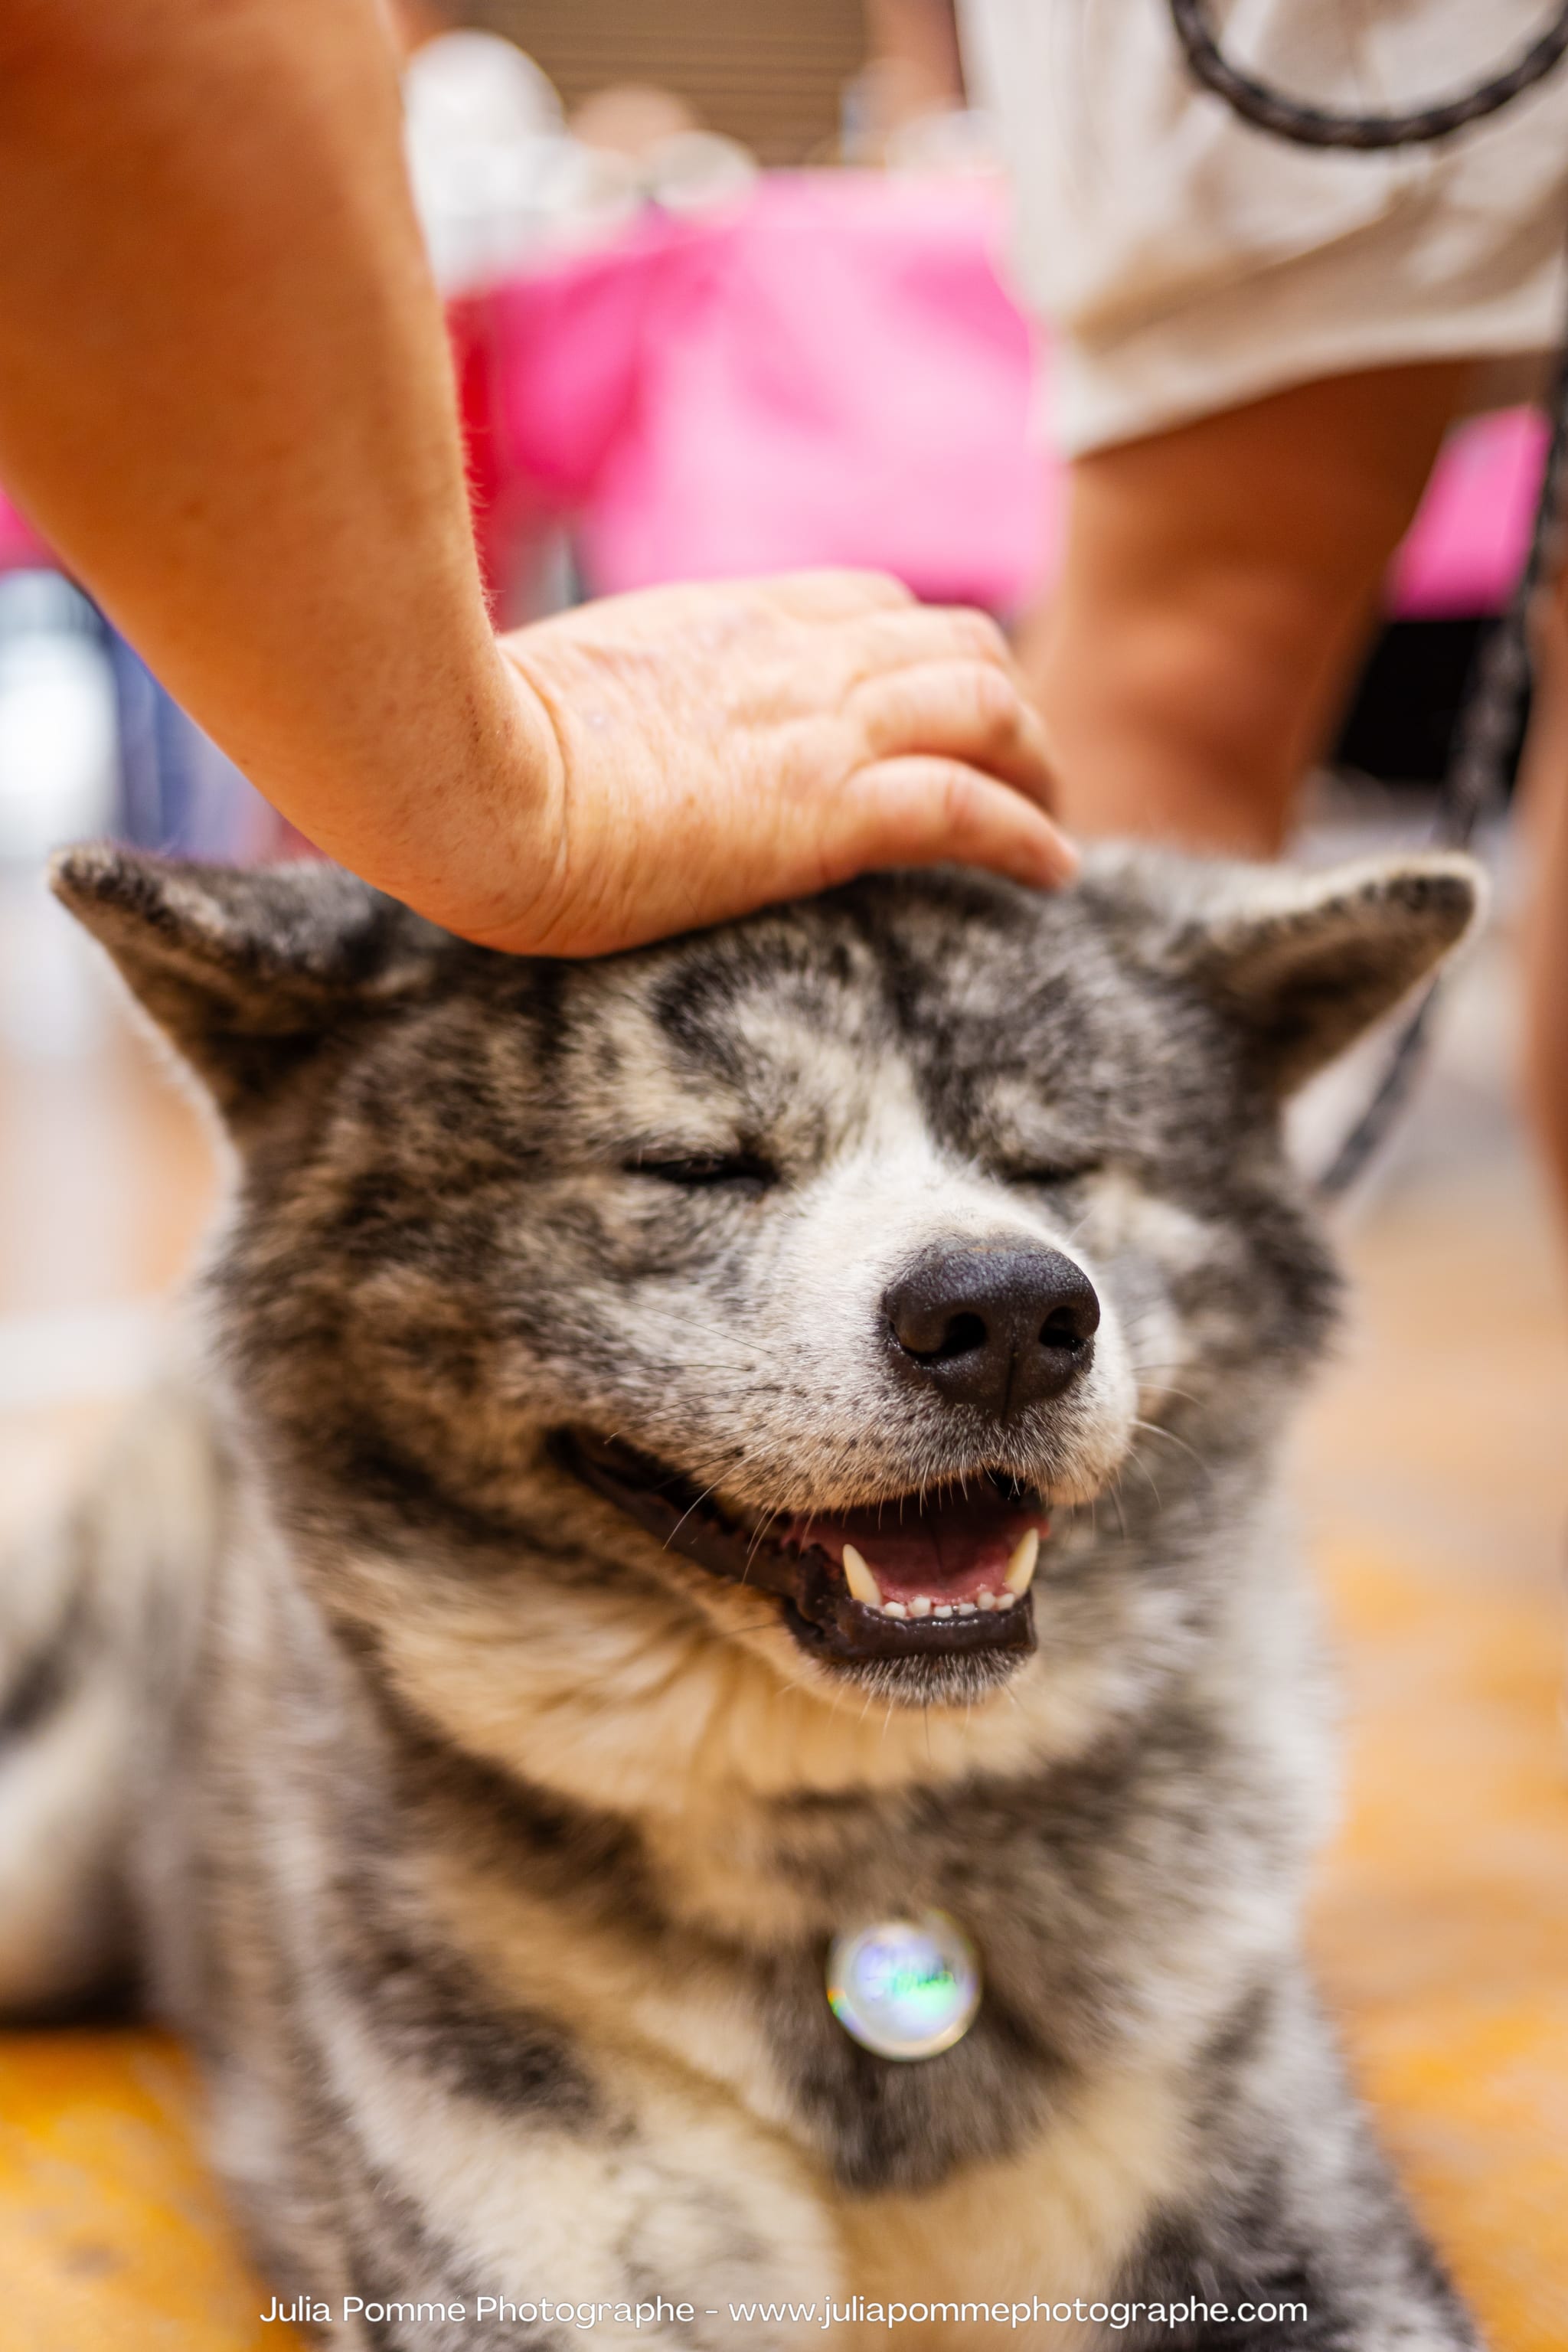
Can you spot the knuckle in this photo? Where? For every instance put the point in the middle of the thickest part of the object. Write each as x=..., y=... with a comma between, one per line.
x=876, y=592
x=978, y=634
x=876, y=704
x=995, y=699
x=961, y=802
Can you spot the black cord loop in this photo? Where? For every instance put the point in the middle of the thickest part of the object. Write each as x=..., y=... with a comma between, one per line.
x=1268, y=108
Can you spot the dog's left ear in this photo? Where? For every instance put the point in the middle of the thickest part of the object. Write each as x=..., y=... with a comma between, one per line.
x=1302, y=963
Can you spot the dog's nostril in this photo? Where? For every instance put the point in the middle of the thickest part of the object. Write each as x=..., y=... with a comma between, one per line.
x=963, y=1333
x=1071, y=1326
x=997, y=1325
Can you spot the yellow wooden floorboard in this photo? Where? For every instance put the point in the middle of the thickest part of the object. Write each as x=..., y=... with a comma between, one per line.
x=1442, y=1926
x=112, y=2235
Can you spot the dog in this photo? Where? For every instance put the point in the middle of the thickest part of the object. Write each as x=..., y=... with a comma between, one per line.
x=701, y=1465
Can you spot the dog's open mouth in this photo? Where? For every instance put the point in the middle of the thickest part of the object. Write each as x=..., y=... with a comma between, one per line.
x=935, y=1575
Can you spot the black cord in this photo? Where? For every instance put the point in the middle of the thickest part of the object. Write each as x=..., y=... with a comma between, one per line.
x=1484, y=735
x=1269, y=109
x=1489, y=721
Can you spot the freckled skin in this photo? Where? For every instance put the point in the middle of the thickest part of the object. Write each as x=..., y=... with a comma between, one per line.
x=490, y=1850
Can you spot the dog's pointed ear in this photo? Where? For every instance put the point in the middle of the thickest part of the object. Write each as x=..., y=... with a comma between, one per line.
x=1308, y=960
x=1299, y=962
x=245, y=971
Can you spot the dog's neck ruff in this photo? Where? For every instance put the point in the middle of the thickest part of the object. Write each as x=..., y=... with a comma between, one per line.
x=905, y=1989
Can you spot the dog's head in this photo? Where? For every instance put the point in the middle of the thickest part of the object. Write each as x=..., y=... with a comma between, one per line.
x=807, y=1282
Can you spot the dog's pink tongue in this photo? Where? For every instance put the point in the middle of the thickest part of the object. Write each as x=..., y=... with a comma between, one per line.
x=948, y=1550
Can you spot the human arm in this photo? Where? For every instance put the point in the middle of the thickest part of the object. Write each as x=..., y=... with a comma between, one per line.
x=224, y=397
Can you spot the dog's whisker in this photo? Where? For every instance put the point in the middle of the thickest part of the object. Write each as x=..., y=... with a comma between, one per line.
x=695, y=1504
x=1148, y=1476
x=1171, y=1438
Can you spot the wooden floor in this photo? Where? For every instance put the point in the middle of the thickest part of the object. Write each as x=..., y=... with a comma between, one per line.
x=1434, y=1478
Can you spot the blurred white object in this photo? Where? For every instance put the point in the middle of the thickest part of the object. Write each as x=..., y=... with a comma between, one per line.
x=954, y=141
x=485, y=145
x=693, y=169
x=60, y=1356
x=59, y=781
x=475, y=88
x=497, y=177
x=59, y=755
x=56, y=990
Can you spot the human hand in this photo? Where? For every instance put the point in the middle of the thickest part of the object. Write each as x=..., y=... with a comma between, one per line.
x=706, y=749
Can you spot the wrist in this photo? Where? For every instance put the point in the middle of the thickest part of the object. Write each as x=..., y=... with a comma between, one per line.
x=464, y=829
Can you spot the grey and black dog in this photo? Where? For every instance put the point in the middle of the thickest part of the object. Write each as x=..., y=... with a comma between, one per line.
x=700, y=1453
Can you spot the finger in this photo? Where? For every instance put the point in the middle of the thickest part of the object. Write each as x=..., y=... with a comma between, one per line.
x=925, y=812
x=963, y=710
x=835, y=595
x=922, y=633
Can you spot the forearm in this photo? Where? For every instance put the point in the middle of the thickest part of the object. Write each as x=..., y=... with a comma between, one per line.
x=1218, y=586
x=224, y=397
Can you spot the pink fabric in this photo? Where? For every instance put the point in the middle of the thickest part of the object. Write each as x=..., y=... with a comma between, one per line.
x=1466, y=547
x=830, y=374
x=21, y=549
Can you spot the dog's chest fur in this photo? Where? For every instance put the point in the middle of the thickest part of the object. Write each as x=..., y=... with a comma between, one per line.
x=644, y=2012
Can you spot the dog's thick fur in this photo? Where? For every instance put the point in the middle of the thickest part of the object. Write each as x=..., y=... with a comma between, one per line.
x=490, y=1852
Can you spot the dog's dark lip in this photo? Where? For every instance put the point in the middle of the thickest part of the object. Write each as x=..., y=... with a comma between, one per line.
x=818, y=1608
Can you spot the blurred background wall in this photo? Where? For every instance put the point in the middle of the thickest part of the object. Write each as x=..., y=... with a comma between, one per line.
x=771, y=73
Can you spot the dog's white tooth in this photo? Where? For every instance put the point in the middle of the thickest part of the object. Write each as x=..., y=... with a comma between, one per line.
x=1007, y=1601
x=944, y=1608
x=985, y=1599
x=966, y=1608
x=1021, y=1566
x=920, y=1606
x=894, y=1609
x=862, y=1584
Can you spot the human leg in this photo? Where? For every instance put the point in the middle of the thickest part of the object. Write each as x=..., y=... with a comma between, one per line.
x=1545, y=816
x=1217, y=581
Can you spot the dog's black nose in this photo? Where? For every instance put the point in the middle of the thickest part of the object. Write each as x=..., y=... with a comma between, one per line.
x=999, y=1325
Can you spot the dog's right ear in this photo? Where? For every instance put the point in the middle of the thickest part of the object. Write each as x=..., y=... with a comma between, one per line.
x=245, y=971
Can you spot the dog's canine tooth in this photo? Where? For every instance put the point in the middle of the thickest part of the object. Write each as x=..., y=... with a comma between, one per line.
x=862, y=1584
x=1021, y=1566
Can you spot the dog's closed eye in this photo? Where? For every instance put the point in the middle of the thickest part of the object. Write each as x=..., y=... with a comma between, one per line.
x=1044, y=1173
x=711, y=1172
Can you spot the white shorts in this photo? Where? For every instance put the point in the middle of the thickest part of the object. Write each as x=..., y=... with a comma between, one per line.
x=1187, y=262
